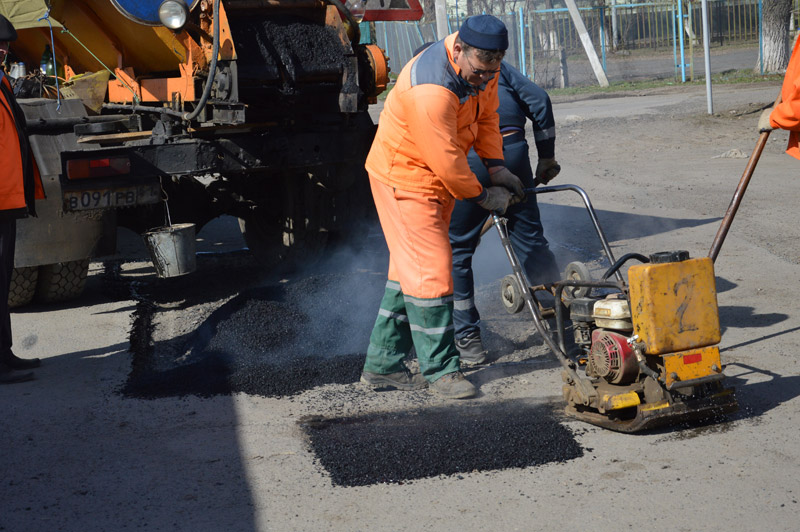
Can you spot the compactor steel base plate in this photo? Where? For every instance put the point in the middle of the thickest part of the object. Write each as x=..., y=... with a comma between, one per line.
x=695, y=409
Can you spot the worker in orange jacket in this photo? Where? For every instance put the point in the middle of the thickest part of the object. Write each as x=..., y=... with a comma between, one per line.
x=20, y=185
x=443, y=103
x=786, y=115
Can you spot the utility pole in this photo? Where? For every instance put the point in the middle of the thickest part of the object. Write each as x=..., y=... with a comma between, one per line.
x=707, y=57
x=591, y=53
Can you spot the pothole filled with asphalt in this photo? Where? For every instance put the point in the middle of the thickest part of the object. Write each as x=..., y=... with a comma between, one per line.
x=448, y=440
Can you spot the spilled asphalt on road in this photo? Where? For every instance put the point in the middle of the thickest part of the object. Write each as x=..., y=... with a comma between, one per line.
x=290, y=334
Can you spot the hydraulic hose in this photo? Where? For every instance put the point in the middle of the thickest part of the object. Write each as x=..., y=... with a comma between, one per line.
x=212, y=69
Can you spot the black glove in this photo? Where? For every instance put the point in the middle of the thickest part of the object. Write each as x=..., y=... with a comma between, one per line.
x=546, y=170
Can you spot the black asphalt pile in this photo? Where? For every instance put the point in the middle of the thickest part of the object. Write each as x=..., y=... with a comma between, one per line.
x=400, y=447
x=277, y=340
x=286, y=48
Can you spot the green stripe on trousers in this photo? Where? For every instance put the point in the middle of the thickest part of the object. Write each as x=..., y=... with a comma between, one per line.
x=403, y=323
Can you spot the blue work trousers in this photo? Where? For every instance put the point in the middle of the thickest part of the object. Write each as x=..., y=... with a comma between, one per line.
x=525, y=230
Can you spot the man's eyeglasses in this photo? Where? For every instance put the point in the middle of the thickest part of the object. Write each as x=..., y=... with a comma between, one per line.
x=480, y=71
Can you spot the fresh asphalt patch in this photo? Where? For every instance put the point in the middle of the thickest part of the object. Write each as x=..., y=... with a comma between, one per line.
x=449, y=440
x=274, y=340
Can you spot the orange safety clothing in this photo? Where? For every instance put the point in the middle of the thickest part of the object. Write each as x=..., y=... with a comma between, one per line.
x=417, y=307
x=417, y=167
x=430, y=120
x=415, y=225
x=786, y=114
x=20, y=182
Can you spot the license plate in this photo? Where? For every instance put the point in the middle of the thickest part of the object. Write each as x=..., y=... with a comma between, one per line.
x=78, y=200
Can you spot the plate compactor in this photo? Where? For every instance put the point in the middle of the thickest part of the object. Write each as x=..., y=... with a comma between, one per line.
x=645, y=351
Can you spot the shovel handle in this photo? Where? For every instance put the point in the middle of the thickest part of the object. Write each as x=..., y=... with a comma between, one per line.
x=738, y=194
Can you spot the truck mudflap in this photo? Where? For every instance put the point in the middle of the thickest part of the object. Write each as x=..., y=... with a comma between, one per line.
x=56, y=235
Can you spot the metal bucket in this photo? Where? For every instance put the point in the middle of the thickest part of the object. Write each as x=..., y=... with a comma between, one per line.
x=172, y=249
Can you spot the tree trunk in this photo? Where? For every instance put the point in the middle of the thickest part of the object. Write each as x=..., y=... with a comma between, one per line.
x=483, y=6
x=428, y=11
x=776, y=35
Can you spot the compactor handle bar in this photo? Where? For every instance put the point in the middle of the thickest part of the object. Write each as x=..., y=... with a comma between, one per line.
x=587, y=202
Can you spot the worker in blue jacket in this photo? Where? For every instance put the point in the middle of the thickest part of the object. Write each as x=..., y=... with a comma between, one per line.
x=520, y=100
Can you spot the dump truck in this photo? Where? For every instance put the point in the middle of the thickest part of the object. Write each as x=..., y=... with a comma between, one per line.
x=143, y=113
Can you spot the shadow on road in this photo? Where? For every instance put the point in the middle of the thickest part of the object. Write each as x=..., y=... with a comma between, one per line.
x=79, y=456
x=769, y=391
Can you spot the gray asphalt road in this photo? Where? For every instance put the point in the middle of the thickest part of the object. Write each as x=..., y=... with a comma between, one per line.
x=79, y=455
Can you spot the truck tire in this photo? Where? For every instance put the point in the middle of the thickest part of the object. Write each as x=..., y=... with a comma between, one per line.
x=62, y=281
x=23, y=286
x=292, y=229
x=272, y=246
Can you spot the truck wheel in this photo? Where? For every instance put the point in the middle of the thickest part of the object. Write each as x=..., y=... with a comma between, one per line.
x=62, y=281
x=23, y=286
x=273, y=243
x=291, y=230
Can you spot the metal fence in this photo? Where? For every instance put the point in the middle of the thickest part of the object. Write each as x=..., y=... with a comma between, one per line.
x=547, y=48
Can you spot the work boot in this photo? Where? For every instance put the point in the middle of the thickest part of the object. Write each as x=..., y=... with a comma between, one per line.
x=471, y=350
x=454, y=386
x=14, y=362
x=9, y=376
x=401, y=380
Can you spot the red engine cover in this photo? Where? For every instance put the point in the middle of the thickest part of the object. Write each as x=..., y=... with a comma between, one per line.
x=612, y=357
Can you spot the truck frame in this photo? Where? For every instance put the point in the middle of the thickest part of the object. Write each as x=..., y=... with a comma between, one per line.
x=251, y=108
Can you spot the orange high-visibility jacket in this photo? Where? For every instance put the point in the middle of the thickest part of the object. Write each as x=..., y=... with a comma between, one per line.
x=429, y=122
x=786, y=114
x=20, y=182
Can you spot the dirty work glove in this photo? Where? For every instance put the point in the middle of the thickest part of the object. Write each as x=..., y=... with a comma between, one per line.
x=504, y=178
x=514, y=200
x=546, y=170
x=763, y=121
x=497, y=199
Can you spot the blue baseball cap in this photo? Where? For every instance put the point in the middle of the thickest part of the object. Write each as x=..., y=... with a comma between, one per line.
x=485, y=32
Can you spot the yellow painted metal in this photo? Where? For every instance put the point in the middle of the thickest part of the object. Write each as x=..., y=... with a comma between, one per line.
x=618, y=401
x=674, y=305
x=692, y=364
x=108, y=34
x=654, y=406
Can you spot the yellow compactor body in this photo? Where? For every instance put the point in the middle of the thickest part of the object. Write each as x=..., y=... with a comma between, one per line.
x=664, y=365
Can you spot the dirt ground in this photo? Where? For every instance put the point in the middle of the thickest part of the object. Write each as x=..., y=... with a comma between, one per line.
x=124, y=428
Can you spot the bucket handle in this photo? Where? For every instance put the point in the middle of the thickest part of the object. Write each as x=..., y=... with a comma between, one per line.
x=165, y=199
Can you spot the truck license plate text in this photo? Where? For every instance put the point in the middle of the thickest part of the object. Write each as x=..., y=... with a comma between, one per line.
x=99, y=199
